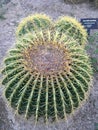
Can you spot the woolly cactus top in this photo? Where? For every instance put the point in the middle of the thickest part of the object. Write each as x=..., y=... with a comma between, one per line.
x=46, y=58
x=48, y=74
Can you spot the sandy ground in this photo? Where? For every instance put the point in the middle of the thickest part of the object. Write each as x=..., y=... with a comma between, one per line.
x=13, y=11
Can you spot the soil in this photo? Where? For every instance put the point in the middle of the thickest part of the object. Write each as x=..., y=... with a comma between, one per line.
x=11, y=13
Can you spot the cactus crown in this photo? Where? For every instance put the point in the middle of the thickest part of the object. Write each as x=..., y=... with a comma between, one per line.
x=46, y=56
x=46, y=75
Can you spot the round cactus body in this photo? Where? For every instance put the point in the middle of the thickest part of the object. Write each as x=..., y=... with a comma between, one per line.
x=72, y=28
x=46, y=77
x=48, y=74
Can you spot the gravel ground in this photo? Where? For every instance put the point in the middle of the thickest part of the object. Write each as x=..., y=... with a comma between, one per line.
x=11, y=13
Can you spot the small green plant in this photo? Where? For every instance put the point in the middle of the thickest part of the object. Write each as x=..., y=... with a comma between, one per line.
x=96, y=126
x=44, y=75
x=96, y=3
x=92, y=48
x=2, y=15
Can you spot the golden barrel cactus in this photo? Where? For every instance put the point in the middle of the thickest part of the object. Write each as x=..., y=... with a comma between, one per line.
x=46, y=76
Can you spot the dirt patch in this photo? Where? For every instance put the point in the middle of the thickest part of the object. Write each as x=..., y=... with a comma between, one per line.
x=5, y=123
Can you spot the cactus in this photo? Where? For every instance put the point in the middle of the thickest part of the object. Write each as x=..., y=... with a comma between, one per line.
x=73, y=28
x=32, y=23
x=45, y=77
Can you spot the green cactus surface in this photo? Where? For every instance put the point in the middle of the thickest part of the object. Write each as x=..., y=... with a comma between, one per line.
x=45, y=77
x=72, y=28
x=33, y=23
